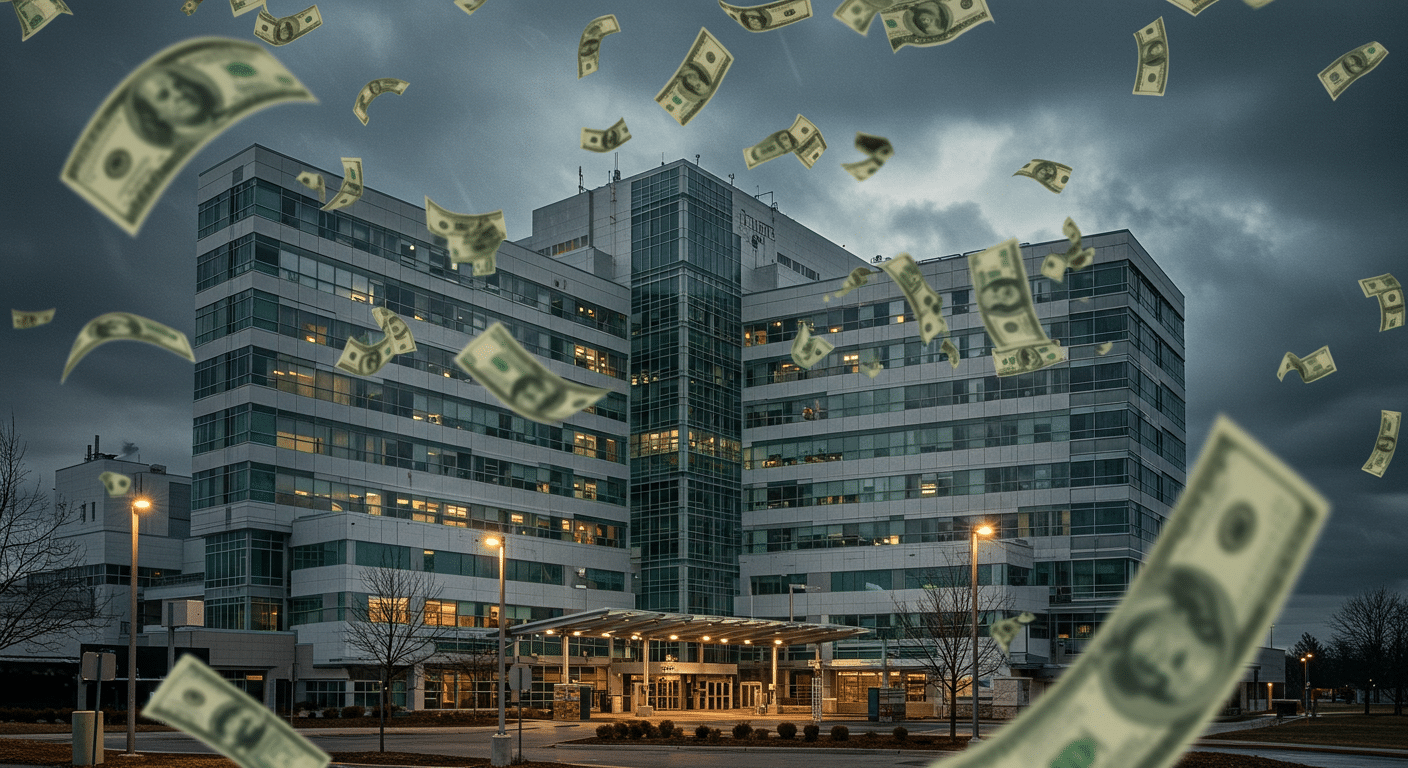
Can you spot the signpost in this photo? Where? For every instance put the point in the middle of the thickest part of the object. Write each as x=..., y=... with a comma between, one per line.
x=99, y=667
x=520, y=678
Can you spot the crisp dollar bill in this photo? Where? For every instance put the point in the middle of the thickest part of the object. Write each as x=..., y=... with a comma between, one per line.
x=858, y=277
x=1314, y=366
x=241, y=7
x=872, y=368
x=877, y=149
x=606, y=140
x=374, y=89
x=922, y=299
x=124, y=326
x=923, y=23
x=24, y=319
x=1104, y=349
x=1052, y=175
x=351, y=189
x=1164, y=663
x=1005, y=302
x=162, y=113
x=697, y=79
x=365, y=359
x=395, y=329
x=1075, y=257
x=857, y=14
x=1386, y=289
x=812, y=143
x=1018, y=360
x=474, y=237
x=763, y=18
x=189, y=7
x=1151, y=74
x=807, y=349
x=589, y=46
x=1193, y=7
x=116, y=484
x=470, y=6
x=1385, y=445
x=1350, y=67
x=282, y=31
x=951, y=351
x=196, y=699
x=519, y=381
x=1004, y=631
x=34, y=15
x=314, y=181
x=1372, y=286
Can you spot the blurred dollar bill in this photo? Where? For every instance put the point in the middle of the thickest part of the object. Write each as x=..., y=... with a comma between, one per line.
x=922, y=299
x=189, y=7
x=1385, y=445
x=1005, y=302
x=470, y=6
x=951, y=351
x=374, y=89
x=351, y=190
x=314, y=181
x=287, y=29
x=877, y=149
x=519, y=381
x=162, y=113
x=797, y=139
x=1194, y=7
x=923, y=23
x=607, y=140
x=1152, y=72
x=1104, y=349
x=116, y=484
x=24, y=319
x=1166, y=660
x=858, y=277
x=589, y=47
x=762, y=18
x=123, y=326
x=365, y=359
x=1386, y=289
x=1350, y=67
x=1010, y=362
x=241, y=7
x=395, y=329
x=697, y=79
x=872, y=368
x=1052, y=175
x=196, y=699
x=857, y=14
x=34, y=15
x=1004, y=631
x=474, y=237
x=1257, y=3
x=807, y=349
x=1316, y=365
x=1075, y=257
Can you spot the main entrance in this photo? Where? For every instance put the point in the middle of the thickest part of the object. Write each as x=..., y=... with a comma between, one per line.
x=714, y=694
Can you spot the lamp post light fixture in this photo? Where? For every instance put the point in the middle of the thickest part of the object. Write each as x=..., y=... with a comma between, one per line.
x=791, y=590
x=1305, y=665
x=500, y=748
x=138, y=504
x=978, y=530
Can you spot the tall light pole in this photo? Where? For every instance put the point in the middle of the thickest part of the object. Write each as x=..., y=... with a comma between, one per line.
x=1305, y=665
x=791, y=590
x=500, y=742
x=137, y=504
x=980, y=530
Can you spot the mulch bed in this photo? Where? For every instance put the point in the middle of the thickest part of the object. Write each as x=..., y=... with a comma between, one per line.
x=856, y=741
x=453, y=720
x=1384, y=731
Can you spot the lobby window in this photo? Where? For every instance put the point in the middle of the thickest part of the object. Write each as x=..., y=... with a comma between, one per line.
x=388, y=609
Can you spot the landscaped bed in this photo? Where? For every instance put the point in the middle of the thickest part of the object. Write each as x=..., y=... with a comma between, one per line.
x=58, y=721
x=1385, y=731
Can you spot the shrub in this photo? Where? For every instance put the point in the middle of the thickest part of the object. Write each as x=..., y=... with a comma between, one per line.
x=787, y=731
x=330, y=712
x=621, y=729
x=651, y=731
x=678, y=733
x=761, y=734
x=605, y=731
x=715, y=734
x=810, y=731
x=701, y=732
x=870, y=735
x=840, y=733
x=354, y=711
x=636, y=732
x=667, y=728
x=742, y=729
x=900, y=733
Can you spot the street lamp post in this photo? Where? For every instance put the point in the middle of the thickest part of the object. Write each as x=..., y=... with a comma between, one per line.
x=137, y=504
x=792, y=590
x=1305, y=665
x=500, y=743
x=981, y=530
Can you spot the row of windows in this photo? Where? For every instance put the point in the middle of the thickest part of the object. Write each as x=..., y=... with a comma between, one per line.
x=456, y=563
x=238, y=558
x=900, y=626
x=564, y=247
x=938, y=577
x=1086, y=579
x=312, y=609
x=262, y=614
x=798, y=267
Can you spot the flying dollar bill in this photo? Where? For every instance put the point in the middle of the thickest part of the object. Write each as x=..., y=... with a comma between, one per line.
x=872, y=368
x=189, y=7
x=1052, y=175
x=697, y=79
x=34, y=15
x=196, y=699
x=1257, y=3
x=352, y=189
x=807, y=349
x=607, y=140
x=922, y=299
x=374, y=89
x=1018, y=360
x=1075, y=257
x=589, y=47
x=314, y=181
x=1350, y=67
x=24, y=319
x=1385, y=445
x=1193, y=7
x=1386, y=289
x=857, y=14
x=1151, y=75
x=951, y=351
x=1004, y=631
x=287, y=29
x=811, y=144
x=858, y=277
x=877, y=149
x=764, y=18
x=162, y=113
x=395, y=329
x=117, y=484
x=1104, y=349
x=1315, y=366
x=474, y=237
x=365, y=359
x=519, y=381
x=923, y=23
x=1005, y=302
x=795, y=140
x=123, y=326
x=241, y=7
x=1166, y=660
x=470, y=6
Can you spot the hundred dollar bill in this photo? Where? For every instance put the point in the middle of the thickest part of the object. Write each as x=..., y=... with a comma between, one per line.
x=365, y=359
x=395, y=329
x=24, y=319
x=1194, y=7
x=858, y=277
x=923, y=23
x=1385, y=445
x=1350, y=67
x=857, y=14
x=241, y=7
x=374, y=89
x=200, y=702
x=474, y=237
x=287, y=29
x=1164, y=663
x=1372, y=286
x=157, y=118
x=1151, y=75
x=810, y=144
x=877, y=148
x=1005, y=303
x=314, y=181
x=1317, y=365
x=922, y=299
x=189, y=7
x=779, y=143
x=589, y=47
x=1104, y=349
x=1386, y=289
x=470, y=6
x=1075, y=257
x=1017, y=360
x=1052, y=175
x=1004, y=631
x=807, y=349
x=519, y=381
x=697, y=79
x=951, y=351
x=763, y=18
x=34, y=15
x=872, y=368
x=116, y=484
x=607, y=140
x=352, y=189
x=123, y=326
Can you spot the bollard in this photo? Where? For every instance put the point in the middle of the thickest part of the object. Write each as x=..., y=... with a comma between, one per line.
x=87, y=740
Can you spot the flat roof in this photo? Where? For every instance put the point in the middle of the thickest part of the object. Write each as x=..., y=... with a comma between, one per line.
x=683, y=627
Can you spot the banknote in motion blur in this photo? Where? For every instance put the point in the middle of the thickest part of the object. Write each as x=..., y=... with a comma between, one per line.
x=877, y=149
x=1193, y=7
x=189, y=7
x=116, y=484
x=374, y=89
x=519, y=381
x=470, y=6
x=363, y=359
x=1075, y=257
x=808, y=350
x=352, y=189
x=314, y=181
x=1257, y=3
x=34, y=15
x=474, y=237
x=872, y=368
x=124, y=326
x=857, y=14
x=764, y=18
x=1315, y=366
x=395, y=329
x=697, y=79
x=923, y=23
x=801, y=139
x=1104, y=349
x=1350, y=67
x=607, y=140
x=283, y=31
x=1052, y=175
x=1005, y=302
x=241, y=7
x=24, y=319
x=196, y=699
x=1151, y=75
x=950, y=351
x=1386, y=289
x=1005, y=630
x=1166, y=660
x=162, y=113
x=589, y=46
x=858, y=277
x=922, y=299
x=1385, y=445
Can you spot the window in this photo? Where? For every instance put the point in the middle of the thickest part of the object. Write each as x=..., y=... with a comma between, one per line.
x=325, y=693
x=394, y=610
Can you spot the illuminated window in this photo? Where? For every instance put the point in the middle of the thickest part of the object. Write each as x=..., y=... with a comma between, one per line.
x=852, y=361
x=584, y=444
x=384, y=610
x=584, y=489
x=441, y=613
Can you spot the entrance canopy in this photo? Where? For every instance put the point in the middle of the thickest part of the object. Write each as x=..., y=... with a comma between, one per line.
x=621, y=623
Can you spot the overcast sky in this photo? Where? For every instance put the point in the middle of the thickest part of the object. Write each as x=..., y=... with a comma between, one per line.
x=1262, y=199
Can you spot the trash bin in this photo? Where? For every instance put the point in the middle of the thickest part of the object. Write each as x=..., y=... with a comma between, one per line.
x=83, y=733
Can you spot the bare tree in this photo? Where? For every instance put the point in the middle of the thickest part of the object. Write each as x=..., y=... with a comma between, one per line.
x=44, y=599
x=1363, y=628
x=475, y=659
x=1396, y=675
x=390, y=629
x=1323, y=667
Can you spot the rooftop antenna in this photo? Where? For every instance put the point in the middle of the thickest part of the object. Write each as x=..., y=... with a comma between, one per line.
x=581, y=182
x=696, y=159
x=616, y=172
x=662, y=158
x=730, y=179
